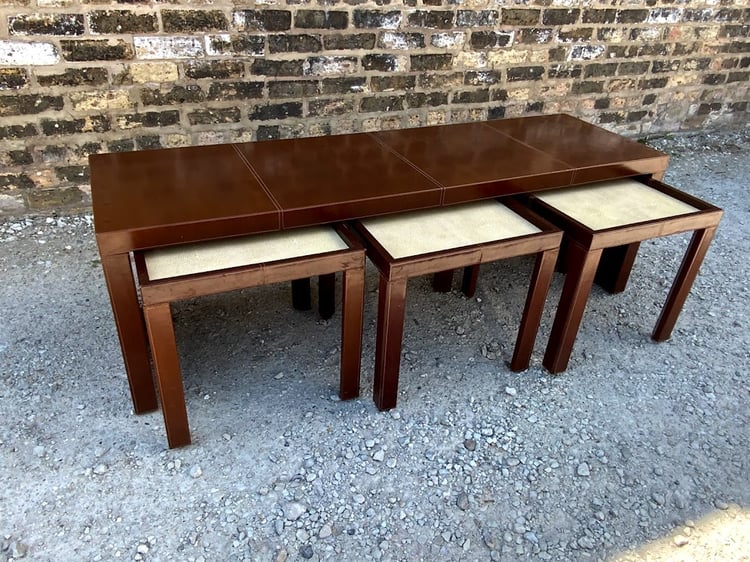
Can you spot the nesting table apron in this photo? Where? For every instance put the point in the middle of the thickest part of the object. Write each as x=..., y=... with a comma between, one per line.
x=157, y=198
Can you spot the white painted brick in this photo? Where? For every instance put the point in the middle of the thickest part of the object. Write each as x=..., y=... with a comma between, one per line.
x=88, y=101
x=448, y=40
x=167, y=47
x=329, y=65
x=143, y=72
x=27, y=53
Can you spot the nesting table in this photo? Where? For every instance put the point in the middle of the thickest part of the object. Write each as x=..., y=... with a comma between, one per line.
x=158, y=198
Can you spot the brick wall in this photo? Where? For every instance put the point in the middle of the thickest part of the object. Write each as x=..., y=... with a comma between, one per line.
x=84, y=76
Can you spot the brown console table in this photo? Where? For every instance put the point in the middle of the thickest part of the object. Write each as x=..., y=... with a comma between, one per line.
x=150, y=199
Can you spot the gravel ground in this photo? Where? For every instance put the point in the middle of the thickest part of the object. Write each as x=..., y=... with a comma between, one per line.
x=641, y=451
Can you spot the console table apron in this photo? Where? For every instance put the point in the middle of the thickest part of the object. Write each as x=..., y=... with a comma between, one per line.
x=150, y=199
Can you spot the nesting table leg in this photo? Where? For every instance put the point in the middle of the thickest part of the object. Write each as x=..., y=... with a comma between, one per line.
x=615, y=267
x=683, y=282
x=168, y=377
x=301, y=294
x=326, y=295
x=532, y=312
x=469, y=280
x=582, y=264
x=131, y=331
x=391, y=308
x=351, y=332
x=442, y=281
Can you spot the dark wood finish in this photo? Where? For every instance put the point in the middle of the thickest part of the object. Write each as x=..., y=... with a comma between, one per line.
x=585, y=248
x=469, y=280
x=442, y=281
x=149, y=199
x=301, y=294
x=615, y=266
x=395, y=273
x=157, y=296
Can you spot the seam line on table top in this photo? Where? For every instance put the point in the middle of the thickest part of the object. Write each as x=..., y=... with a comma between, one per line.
x=570, y=167
x=263, y=185
x=411, y=164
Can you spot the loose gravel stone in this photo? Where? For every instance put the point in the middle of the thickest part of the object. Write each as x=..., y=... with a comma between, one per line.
x=583, y=469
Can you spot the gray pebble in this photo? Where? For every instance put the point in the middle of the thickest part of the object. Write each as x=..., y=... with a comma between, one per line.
x=294, y=510
x=583, y=469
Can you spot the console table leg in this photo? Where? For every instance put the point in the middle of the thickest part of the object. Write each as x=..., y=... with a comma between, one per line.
x=683, y=282
x=301, y=294
x=391, y=309
x=167, y=363
x=131, y=331
x=582, y=268
x=615, y=267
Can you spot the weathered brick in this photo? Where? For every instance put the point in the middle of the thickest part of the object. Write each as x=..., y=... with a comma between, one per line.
x=74, y=77
x=665, y=66
x=649, y=99
x=23, y=53
x=535, y=35
x=601, y=103
x=586, y=52
x=18, y=131
x=111, y=99
x=224, y=91
x=738, y=47
x=214, y=116
x=122, y=21
x=607, y=118
x=564, y=71
x=599, y=16
x=268, y=132
x=381, y=103
x=482, y=18
x=336, y=106
x=380, y=62
x=265, y=67
x=534, y=107
x=343, y=85
x=714, y=79
x=730, y=15
x=520, y=16
x=735, y=31
x=497, y=112
x=95, y=49
x=173, y=96
x=431, y=19
x=745, y=62
x=665, y=15
x=217, y=69
x=225, y=44
x=349, y=41
x=596, y=70
x=653, y=83
x=431, y=62
x=15, y=181
x=91, y=124
x=699, y=15
x=739, y=106
x=121, y=145
x=263, y=20
x=587, y=88
x=87, y=148
x=575, y=35
x=73, y=174
x=293, y=89
x=728, y=64
x=294, y=43
x=46, y=199
x=448, y=40
x=556, y=16
x=46, y=24
x=482, y=77
x=632, y=67
x=632, y=16
x=706, y=108
x=29, y=104
x=275, y=111
x=473, y=96
x=168, y=47
x=377, y=19
x=400, y=40
x=186, y=21
x=148, y=142
x=738, y=76
x=54, y=153
x=681, y=49
x=525, y=73
x=20, y=157
x=441, y=81
x=634, y=116
x=329, y=65
x=416, y=100
x=491, y=39
x=321, y=19
x=390, y=83
x=13, y=78
x=148, y=119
